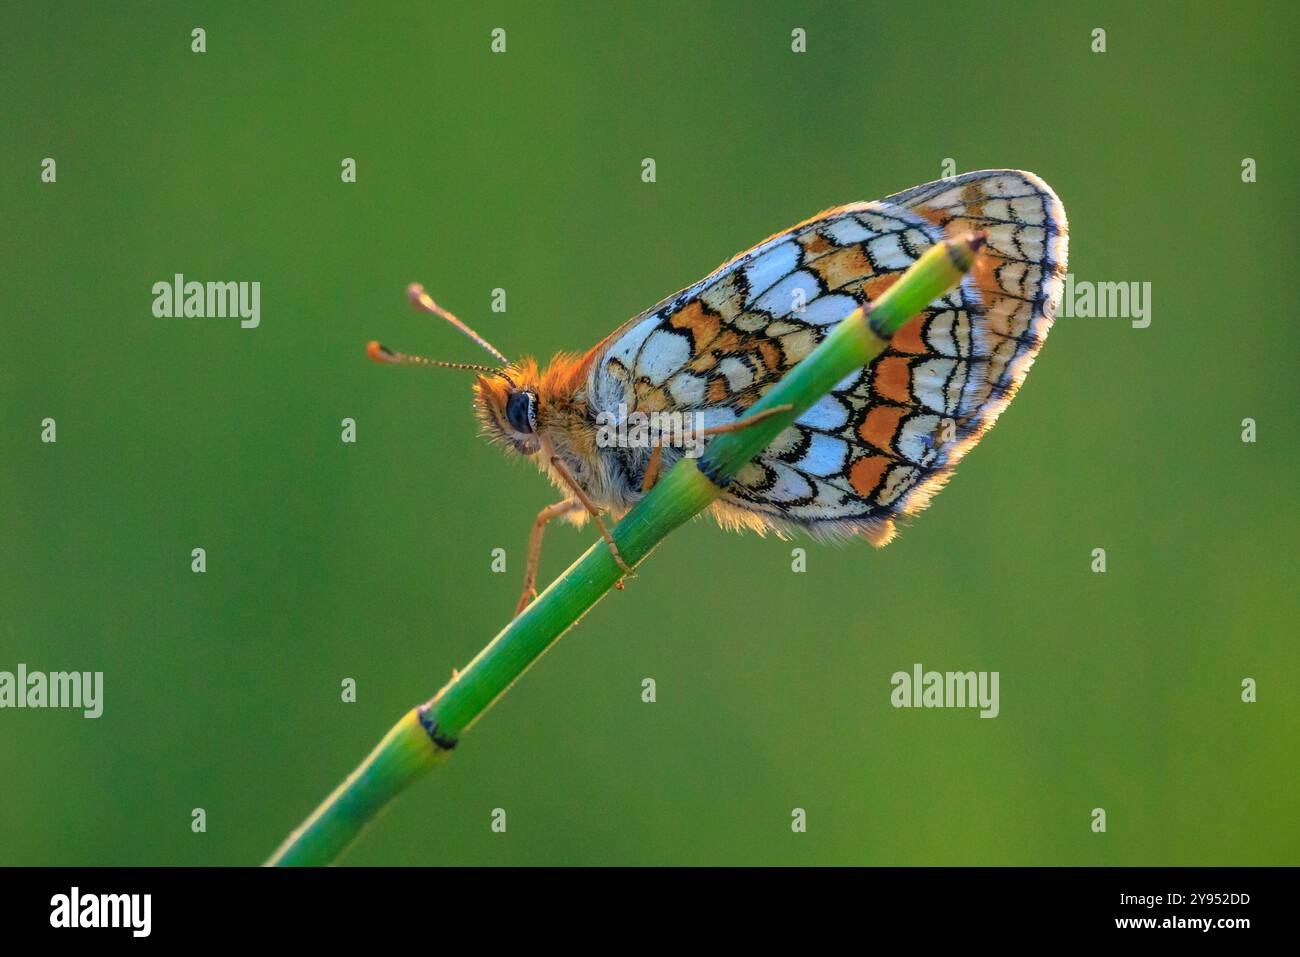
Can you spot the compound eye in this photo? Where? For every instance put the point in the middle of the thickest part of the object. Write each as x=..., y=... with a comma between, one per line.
x=521, y=412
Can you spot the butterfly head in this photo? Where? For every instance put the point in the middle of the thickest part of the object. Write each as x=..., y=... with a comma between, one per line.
x=509, y=406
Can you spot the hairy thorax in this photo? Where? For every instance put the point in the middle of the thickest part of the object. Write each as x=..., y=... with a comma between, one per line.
x=610, y=475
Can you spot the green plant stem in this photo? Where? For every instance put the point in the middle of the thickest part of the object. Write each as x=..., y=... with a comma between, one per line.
x=424, y=737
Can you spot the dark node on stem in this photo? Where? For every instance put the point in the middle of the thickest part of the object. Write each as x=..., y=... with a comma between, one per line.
x=963, y=251
x=874, y=323
x=712, y=471
x=431, y=729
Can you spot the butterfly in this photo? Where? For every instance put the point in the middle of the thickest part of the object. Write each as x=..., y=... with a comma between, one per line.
x=872, y=451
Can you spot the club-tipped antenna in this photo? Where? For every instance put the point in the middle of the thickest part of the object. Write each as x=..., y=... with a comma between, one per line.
x=381, y=353
x=422, y=300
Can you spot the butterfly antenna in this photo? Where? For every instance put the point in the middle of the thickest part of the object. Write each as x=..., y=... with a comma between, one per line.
x=381, y=353
x=422, y=300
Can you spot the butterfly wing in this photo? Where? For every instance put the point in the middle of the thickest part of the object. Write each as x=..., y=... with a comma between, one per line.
x=881, y=443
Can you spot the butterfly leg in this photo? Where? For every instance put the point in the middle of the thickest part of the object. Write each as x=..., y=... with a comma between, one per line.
x=742, y=424
x=656, y=455
x=535, y=548
x=592, y=508
x=652, y=468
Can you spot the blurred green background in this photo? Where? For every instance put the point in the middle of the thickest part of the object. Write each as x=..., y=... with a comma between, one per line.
x=522, y=171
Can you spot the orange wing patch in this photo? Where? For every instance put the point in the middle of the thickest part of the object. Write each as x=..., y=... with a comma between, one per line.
x=865, y=474
x=880, y=425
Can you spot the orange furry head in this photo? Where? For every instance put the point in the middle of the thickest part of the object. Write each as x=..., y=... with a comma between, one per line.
x=507, y=404
x=518, y=403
